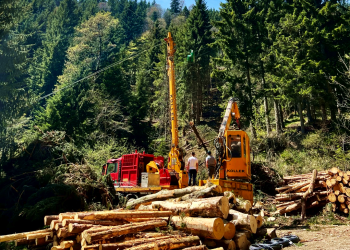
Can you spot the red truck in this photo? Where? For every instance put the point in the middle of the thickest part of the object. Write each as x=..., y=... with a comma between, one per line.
x=129, y=173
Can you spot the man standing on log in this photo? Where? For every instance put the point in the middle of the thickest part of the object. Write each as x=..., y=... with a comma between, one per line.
x=192, y=167
x=210, y=162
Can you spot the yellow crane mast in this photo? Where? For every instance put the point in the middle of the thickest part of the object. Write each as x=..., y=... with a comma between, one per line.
x=176, y=164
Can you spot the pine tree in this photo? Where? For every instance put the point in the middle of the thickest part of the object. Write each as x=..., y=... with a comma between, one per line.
x=185, y=12
x=175, y=7
x=62, y=22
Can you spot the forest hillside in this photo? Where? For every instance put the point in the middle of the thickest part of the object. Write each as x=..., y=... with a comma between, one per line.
x=84, y=81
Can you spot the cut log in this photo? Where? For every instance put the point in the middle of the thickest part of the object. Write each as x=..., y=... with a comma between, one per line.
x=49, y=218
x=296, y=187
x=339, y=178
x=67, y=243
x=241, y=241
x=128, y=244
x=337, y=192
x=146, y=207
x=57, y=248
x=37, y=235
x=230, y=230
x=200, y=247
x=212, y=228
x=307, y=193
x=63, y=216
x=259, y=220
x=347, y=192
x=63, y=233
x=164, y=195
x=41, y=241
x=243, y=221
x=172, y=243
x=267, y=233
x=230, y=196
x=225, y=244
x=243, y=205
x=58, y=226
x=109, y=215
x=66, y=222
x=290, y=208
x=341, y=198
x=78, y=228
x=207, y=207
x=333, y=171
x=207, y=192
x=141, y=219
x=122, y=230
x=332, y=197
x=22, y=242
x=53, y=224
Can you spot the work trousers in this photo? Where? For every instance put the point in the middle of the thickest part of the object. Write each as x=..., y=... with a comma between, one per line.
x=211, y=170
x=192, y=176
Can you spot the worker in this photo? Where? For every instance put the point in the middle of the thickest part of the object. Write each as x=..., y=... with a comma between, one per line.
x=192, y=168
x=210, y=162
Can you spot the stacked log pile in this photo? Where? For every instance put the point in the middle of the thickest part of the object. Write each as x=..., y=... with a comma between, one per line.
x=314, y=190
x=196, y=215
x=302, y=192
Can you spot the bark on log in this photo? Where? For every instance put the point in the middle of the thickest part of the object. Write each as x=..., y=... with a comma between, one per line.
x=200, y=247
x=53, y=224
x=207, y=192
x=268, y=233
x=296, y=187
x=66, y=222
x=37, y=235
x=78, y=228
x=229, y=230
x=241, y=241
x=172, y=243
x=11, y=237
x=243, y=221
x=109, y=215
x=225, y=244
x=209, y=207
x=141, y=219
x=308, y=192
x=230, y=196
x=63, y=216
x=212, y=228
x=41, y=241
x=290, y=208
x=163, y=195
x=22, y=242
x=49, y=218
x=67, y=243
x=128, y=244
x=122, y=230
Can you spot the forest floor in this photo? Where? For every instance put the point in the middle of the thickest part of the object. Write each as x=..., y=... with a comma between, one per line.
x=322, y=237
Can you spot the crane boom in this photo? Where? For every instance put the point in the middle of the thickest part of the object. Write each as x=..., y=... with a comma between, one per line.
x=172, y=90
x=232, y=111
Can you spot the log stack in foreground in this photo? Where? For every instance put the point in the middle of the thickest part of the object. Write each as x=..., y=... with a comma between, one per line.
x=197, y=215
x=315, y=190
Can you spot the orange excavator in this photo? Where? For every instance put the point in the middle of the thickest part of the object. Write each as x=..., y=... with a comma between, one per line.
x=233, y=170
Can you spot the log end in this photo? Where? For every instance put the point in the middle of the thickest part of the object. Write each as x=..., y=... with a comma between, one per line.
x=218, y=229
x=230, y=231
x=253, y=224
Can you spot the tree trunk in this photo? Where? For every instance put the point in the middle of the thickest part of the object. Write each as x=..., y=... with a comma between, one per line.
x=267, y=117
x=90, y=236
x=277, y=117
x=308, y=192
x=308, y=110
x=78, y=228
x=324, y=112
x=53, y=224
x=22, y=242
x=269, y=232
x=200, y=247
x=281, y=117
x=259, y=220
x=301, y=118
x=212, y=228
x=163, y=195
x=243, y=221
x=209, y=207
x=111, y=215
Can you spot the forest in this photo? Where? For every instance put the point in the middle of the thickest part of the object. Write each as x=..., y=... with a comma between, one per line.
x=83, y=81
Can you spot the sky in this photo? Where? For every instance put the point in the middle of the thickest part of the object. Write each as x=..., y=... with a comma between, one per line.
x=215, y=4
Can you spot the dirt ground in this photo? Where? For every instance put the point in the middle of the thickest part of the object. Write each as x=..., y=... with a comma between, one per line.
x=328, y=237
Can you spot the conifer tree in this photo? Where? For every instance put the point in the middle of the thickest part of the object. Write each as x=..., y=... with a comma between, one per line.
x=175, y=7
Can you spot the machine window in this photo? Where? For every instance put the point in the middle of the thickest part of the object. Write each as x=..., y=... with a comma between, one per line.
x=110, y=168
x=236, y=149
x=244, y=149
